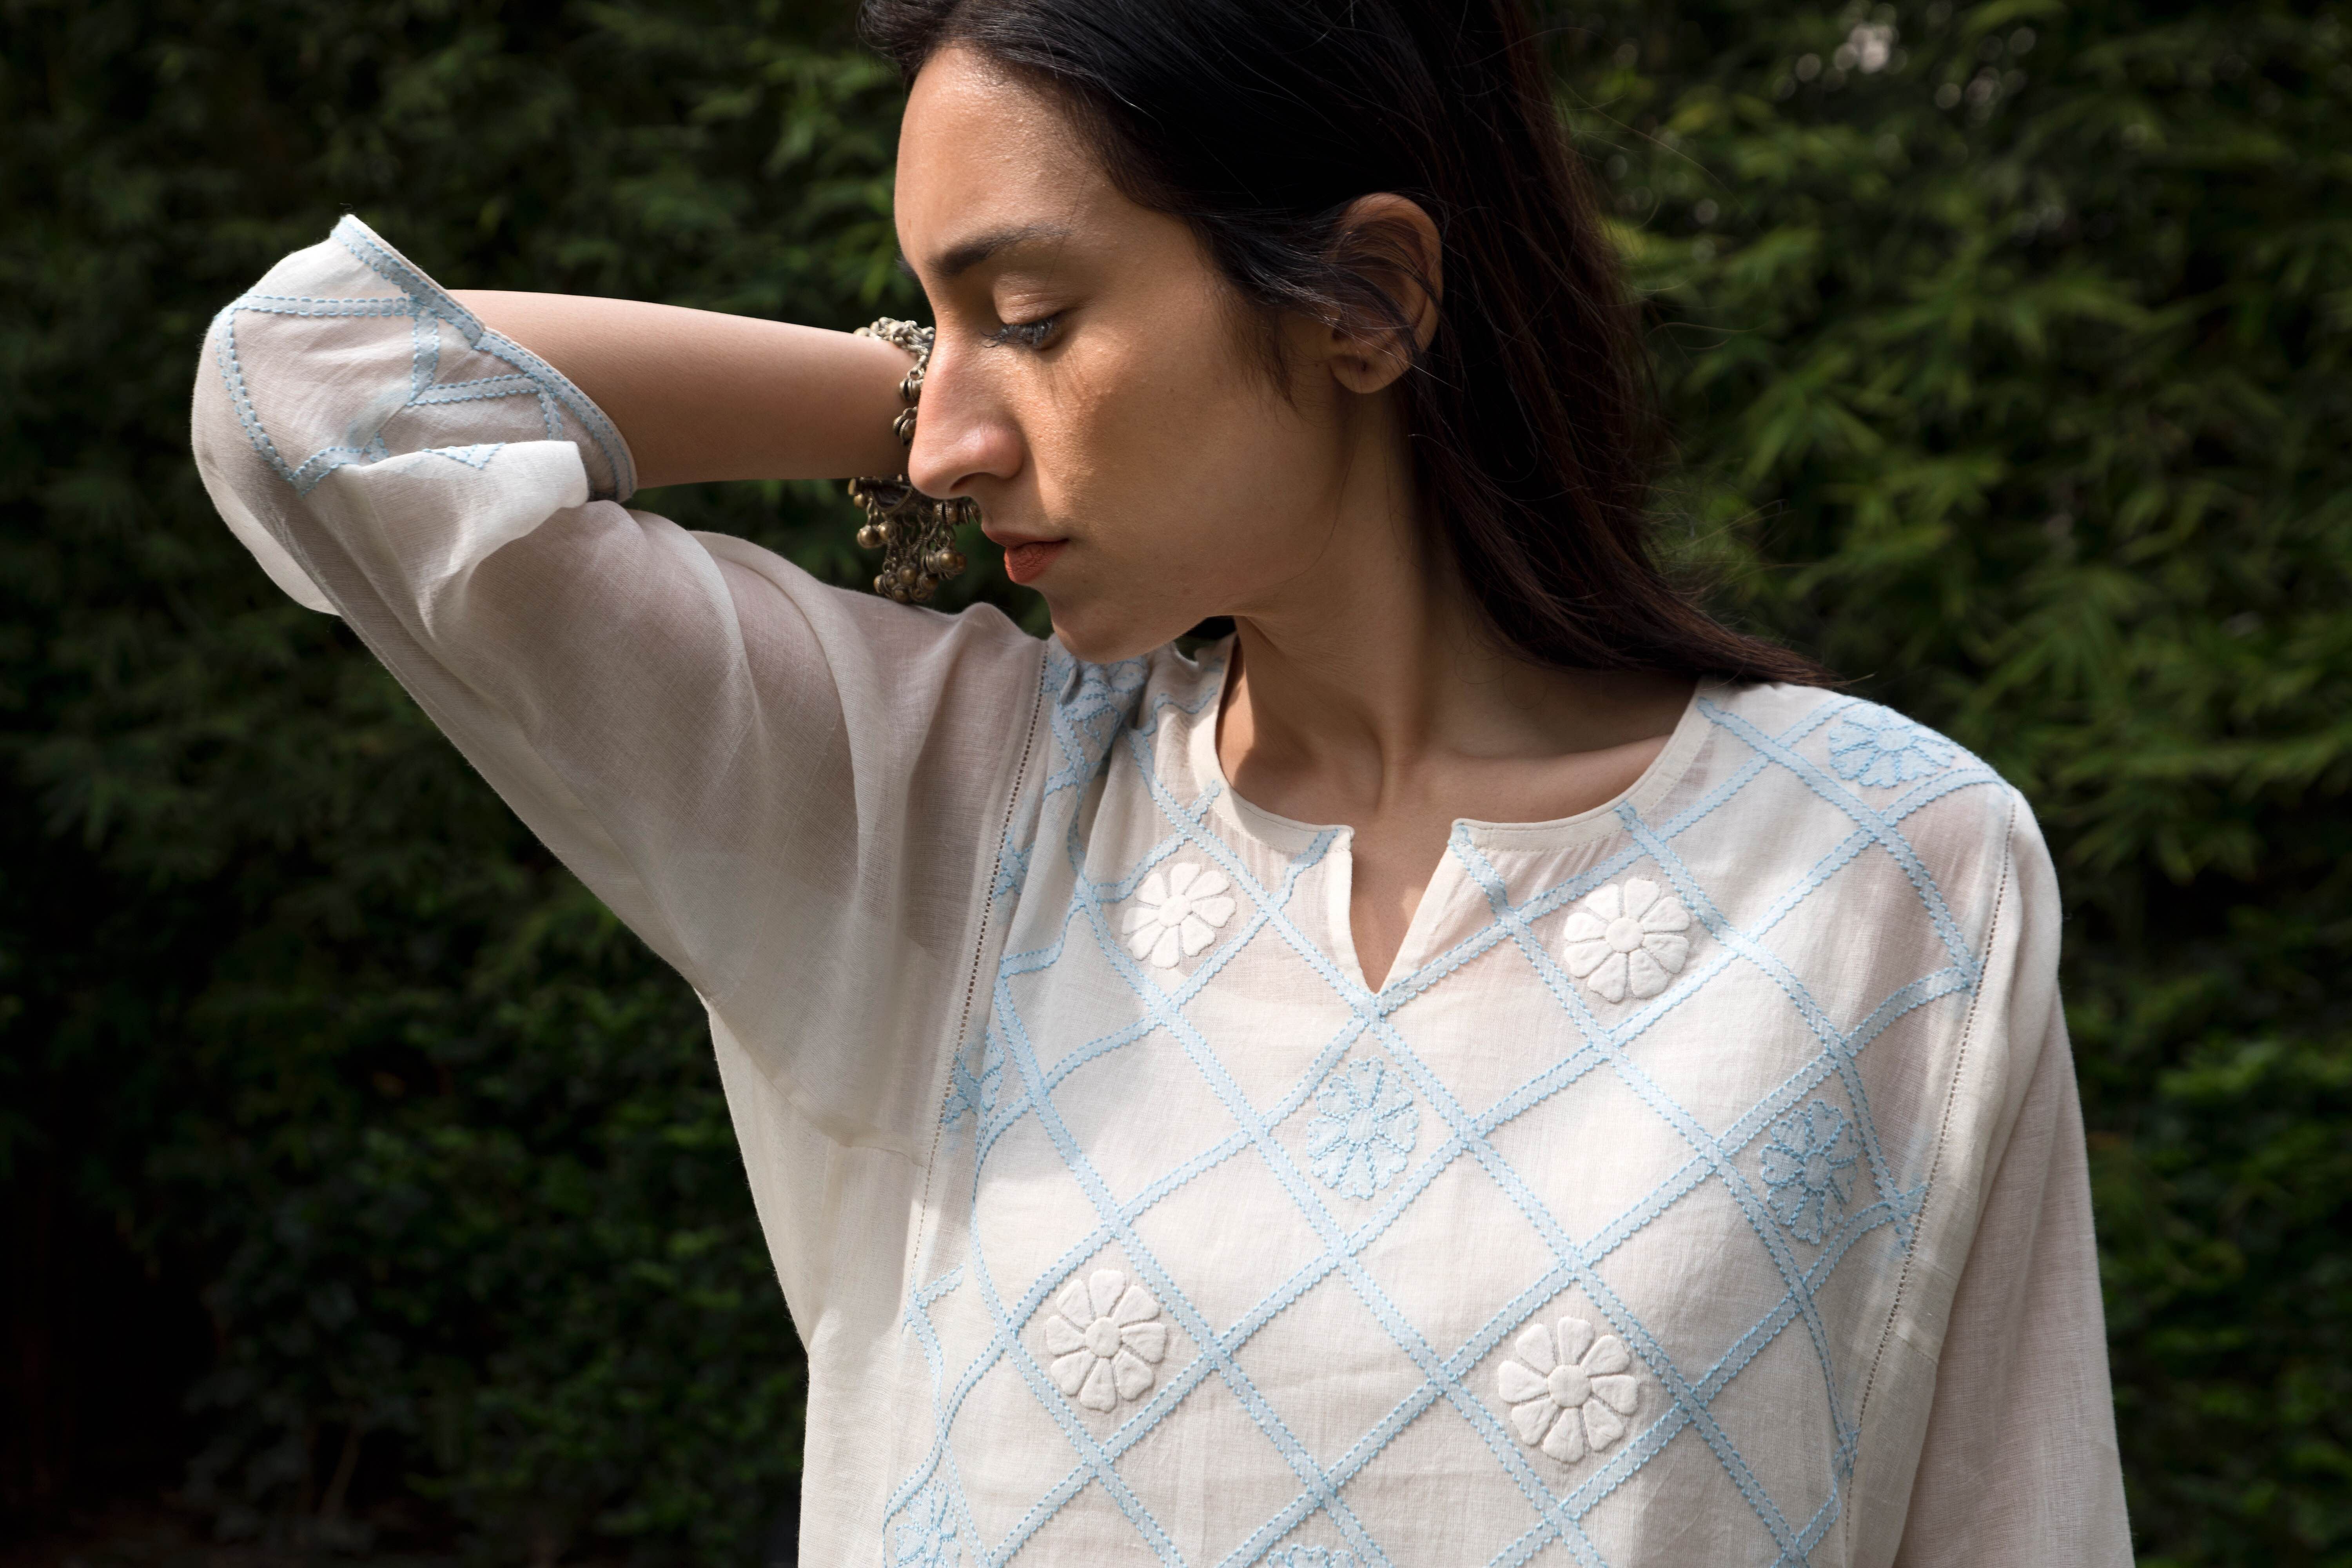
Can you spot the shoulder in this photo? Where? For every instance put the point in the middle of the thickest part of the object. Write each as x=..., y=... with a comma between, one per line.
x=1835, y=767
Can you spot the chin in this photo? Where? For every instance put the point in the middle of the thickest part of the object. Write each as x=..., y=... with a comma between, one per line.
x=1105, y=638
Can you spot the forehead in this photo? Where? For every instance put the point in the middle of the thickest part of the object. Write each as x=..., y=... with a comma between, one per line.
x=980, y=151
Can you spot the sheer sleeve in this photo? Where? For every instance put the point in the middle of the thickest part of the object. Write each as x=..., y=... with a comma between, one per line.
x=2019, y=1466
x=793, y=794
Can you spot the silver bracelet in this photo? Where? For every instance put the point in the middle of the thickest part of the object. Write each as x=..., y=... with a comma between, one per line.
x=914, y=532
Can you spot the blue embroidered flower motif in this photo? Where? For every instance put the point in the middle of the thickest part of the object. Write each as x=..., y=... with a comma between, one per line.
x=1313, y=1557
x=1366, y=1132
x=1805, y=1165
x=1872, y=746
x=927, y=1535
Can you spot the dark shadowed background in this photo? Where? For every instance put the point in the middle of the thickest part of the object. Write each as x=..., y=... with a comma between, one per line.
x=368, y=1193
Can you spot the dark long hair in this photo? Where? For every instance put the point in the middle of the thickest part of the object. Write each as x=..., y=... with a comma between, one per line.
x=1530, y=413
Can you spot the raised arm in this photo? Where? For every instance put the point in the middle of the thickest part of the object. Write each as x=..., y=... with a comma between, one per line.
x=700, y=395
x=791, y=792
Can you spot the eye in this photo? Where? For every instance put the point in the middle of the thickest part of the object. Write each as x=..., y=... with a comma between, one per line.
x=1033, y=334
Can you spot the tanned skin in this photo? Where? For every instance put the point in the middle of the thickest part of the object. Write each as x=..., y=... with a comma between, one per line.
x=1102, y=393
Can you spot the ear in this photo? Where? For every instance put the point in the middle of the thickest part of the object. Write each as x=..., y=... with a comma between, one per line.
x=1391, y=242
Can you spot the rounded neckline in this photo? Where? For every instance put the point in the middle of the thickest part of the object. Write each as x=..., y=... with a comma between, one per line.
x=1663, y=771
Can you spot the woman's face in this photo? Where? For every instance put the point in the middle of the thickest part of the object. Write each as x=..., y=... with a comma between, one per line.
x=1096, y=387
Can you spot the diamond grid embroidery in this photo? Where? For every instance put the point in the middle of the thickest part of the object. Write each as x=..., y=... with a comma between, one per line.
x=1084, y=739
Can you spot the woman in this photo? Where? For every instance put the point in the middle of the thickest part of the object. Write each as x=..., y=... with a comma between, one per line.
x=1481, y=1065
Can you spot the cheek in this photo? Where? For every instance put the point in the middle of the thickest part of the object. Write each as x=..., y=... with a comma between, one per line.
x=1201, y=512
x=1198, y=472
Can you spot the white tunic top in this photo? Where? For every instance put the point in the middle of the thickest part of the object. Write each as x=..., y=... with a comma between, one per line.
x=1705, y=1186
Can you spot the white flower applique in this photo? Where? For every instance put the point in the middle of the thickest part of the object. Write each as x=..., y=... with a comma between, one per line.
x=1571, y=1393
x=1105, y=1339
x=1627, y=940
x=1177, y=915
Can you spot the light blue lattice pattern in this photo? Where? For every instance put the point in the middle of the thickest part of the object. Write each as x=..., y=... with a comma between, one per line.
x=1805, y=1182
x=429, y=311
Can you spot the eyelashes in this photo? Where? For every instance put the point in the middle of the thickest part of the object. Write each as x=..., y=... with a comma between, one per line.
x=1033, y=334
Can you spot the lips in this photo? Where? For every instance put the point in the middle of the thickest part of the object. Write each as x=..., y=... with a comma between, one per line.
x=1026, y=559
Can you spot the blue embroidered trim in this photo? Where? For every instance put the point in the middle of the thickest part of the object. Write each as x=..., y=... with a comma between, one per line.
x=428, y=308
x=1365, y=1141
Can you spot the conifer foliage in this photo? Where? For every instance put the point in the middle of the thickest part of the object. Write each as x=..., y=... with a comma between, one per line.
x=350, y=1147
x=2007, y=347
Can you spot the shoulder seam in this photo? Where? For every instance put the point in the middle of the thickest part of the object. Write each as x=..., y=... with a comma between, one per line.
x=1942, y=1137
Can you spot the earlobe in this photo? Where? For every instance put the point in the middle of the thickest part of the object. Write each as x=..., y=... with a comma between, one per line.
x=1390, y=242
x=1364, y=373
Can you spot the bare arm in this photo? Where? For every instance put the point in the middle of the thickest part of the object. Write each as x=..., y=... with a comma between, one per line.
x=700, y=395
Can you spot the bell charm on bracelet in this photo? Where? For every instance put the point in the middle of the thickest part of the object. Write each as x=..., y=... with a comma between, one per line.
x=914, y=532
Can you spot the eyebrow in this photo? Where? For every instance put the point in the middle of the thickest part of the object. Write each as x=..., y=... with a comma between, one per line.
x=963, y=257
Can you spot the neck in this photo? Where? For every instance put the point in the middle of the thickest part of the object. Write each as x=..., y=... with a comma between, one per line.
x=1366, y=692
x=1375, y=670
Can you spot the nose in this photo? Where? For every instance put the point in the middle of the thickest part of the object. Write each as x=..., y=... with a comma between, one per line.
x=965, y=438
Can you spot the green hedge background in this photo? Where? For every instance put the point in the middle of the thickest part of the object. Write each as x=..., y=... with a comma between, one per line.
x=364, y=1182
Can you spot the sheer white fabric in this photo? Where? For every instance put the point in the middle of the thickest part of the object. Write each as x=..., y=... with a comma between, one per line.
x=1706, y=1184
